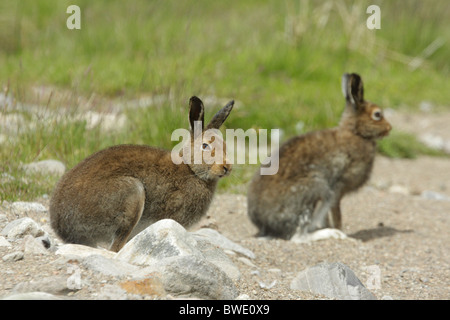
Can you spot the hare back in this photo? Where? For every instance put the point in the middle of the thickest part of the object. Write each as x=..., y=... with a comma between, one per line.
x=108, y=187
x=339, y=157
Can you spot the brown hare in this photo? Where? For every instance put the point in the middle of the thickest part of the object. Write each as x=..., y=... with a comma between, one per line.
x=117, y=192
x=317, y=169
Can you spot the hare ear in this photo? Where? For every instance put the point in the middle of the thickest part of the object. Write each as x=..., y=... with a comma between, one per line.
x=353, y=89
x=196, y=112
x=221, y=116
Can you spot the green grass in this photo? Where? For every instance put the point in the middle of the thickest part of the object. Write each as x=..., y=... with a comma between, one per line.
x=282, y=62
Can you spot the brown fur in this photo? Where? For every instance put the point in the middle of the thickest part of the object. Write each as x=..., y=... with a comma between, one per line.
x=317, y=169
x=119, y=191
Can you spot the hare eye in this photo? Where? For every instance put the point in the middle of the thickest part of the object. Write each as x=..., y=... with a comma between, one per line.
x=206, y=147
x=377, y=115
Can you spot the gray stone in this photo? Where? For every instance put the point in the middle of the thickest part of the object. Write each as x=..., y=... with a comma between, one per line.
x=191, y=276
x=106, y=121
x=167, y=238
x=23, y=206
x=188, y=267
x=334, y=280
x=79, y=252
x=3, y=219
x=108, y=266
x=13, y=256
x=46, y=241
x=53, y=285
x=22, y=227
x=31, y=245
x=219, y=259
x=32, y=296
x=163, y=239
x=219, y=240
x=247, y=262
x=4, y=242
x=435, y=141
x=52, y=167
x=432, y=195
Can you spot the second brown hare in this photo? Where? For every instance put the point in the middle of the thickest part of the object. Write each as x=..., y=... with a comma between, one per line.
x=117, y=192
x=317, y=169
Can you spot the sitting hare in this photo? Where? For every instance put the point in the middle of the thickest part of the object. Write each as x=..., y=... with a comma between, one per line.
x=117, y=192
x=317, y=169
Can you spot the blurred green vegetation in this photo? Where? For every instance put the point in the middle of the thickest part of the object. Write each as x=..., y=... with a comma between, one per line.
x=281, y=60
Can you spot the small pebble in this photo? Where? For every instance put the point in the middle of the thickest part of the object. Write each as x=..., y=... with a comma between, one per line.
x=14, y=256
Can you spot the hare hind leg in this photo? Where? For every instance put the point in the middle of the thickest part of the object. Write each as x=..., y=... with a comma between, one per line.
x=129, y=213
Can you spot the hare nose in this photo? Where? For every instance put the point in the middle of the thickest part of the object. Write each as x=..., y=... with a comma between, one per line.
x=389, y=127
x=226, y=169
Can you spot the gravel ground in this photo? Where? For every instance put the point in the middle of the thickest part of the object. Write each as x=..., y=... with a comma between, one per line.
x=394, y=230
x=398, y=241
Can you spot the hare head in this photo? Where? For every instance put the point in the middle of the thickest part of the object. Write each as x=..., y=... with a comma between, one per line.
x=205, y=153
x=364, y=118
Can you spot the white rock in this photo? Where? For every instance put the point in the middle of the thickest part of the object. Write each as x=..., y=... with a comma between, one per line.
x=6, y=100
x=431, y=195
x=106, y=121
x=28, y=206
x=52, y=284
x=50, y=166
x=109, y=266
x=163, y=239
x=192, y=276
x=6, y=177
x=31, y=245
x=32, y=296
x=433, y=141
x=4, y=242
x=12, y=123
x=247, y=262
x=3, y=219
x=78, y=251
x=188, y=267
x=22, y=227
x=334, y=280
x=46, y=240
x=218, y=257
x=322, y=234
x=219, y=240
x=167, y=238
x=426, y=106
x=13, y=256
x=399, y=189
x=267, y=286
